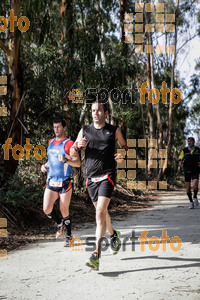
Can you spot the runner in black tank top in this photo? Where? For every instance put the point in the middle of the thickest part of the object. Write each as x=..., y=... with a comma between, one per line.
x=99, y=140
x=99, y=151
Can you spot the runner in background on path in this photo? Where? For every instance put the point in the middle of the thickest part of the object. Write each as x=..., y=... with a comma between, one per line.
x=190, y=158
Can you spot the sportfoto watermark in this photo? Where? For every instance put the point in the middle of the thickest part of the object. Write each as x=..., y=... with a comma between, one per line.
x=125, y=96
x=163, y=23
x=3, y=234
x=18, y=148
x=23, y=22
x=153, y=242
x=153, y=159
x=164, y=91
x=3, y=92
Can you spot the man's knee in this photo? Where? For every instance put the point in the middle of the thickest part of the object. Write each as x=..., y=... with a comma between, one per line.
x=101, y=214
x=47, y=207
x=47, y=211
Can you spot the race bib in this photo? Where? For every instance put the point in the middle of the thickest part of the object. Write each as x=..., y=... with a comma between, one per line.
x=55, y=183
x=98, y=179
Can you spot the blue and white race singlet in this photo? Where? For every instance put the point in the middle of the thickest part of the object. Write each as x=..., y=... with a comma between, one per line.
x=58, y=170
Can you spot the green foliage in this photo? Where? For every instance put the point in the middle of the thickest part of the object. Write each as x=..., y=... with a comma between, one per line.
x=51, y=66
x=19, y=190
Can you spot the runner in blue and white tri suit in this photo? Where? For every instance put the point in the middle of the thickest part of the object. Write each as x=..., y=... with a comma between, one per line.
x=59, y=170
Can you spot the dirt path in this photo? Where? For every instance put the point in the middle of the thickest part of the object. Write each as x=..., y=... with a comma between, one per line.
x=47, y=270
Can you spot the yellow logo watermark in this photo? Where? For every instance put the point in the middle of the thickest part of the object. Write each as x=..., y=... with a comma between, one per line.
x=23, y=22
x=3, y=234
x=163, y=24
x=155, y=159
x=3, y=91
x=154, y=240
x=76, y=96
x=28, y=147
x=164, y=91
x=76, y=241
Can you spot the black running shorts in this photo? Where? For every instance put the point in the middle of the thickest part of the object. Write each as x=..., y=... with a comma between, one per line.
x=190, y=175
x=96, y=189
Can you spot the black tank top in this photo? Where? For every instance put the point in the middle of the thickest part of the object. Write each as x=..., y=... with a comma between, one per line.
x=191, y=160
x=100, y=149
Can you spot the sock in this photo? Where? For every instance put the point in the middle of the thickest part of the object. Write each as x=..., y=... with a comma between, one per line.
x=190, y=196
x=53, y=215
x=114, y=233
x=98, y=252
x=195, y=193
x=67, y=222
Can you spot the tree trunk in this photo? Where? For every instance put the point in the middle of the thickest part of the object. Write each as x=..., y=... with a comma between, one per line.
x=15, y=84
x=124, y=46
x=124, y=53
x=170, y=128
x=149, y=77
x=67, y=32
x=67, y=35
x=170, y=125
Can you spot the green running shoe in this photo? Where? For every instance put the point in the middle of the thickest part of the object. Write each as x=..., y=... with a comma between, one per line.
x=93, y=261
x=114, y=242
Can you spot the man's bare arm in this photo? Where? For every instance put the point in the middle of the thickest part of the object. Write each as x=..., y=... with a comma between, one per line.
x=120, y=140
x=72, y=158
x=44, y=168
x=75, y=162
x=122, y=143
x=80, y=142
x=79, y=137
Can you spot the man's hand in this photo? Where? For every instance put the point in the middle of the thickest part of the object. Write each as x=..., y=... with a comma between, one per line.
x=179, y=170
x=180, y=163
x=63, y=158
x=124, y=147
x=44, y=168
x=118, y=157
x=82, y=143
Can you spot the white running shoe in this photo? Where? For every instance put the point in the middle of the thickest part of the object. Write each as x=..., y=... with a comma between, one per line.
x=196, y=202
x=191, y=205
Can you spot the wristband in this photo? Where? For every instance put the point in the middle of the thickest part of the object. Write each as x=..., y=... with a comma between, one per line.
x=76, y=148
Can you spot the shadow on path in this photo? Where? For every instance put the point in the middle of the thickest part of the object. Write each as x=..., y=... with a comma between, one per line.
x=193, y=265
